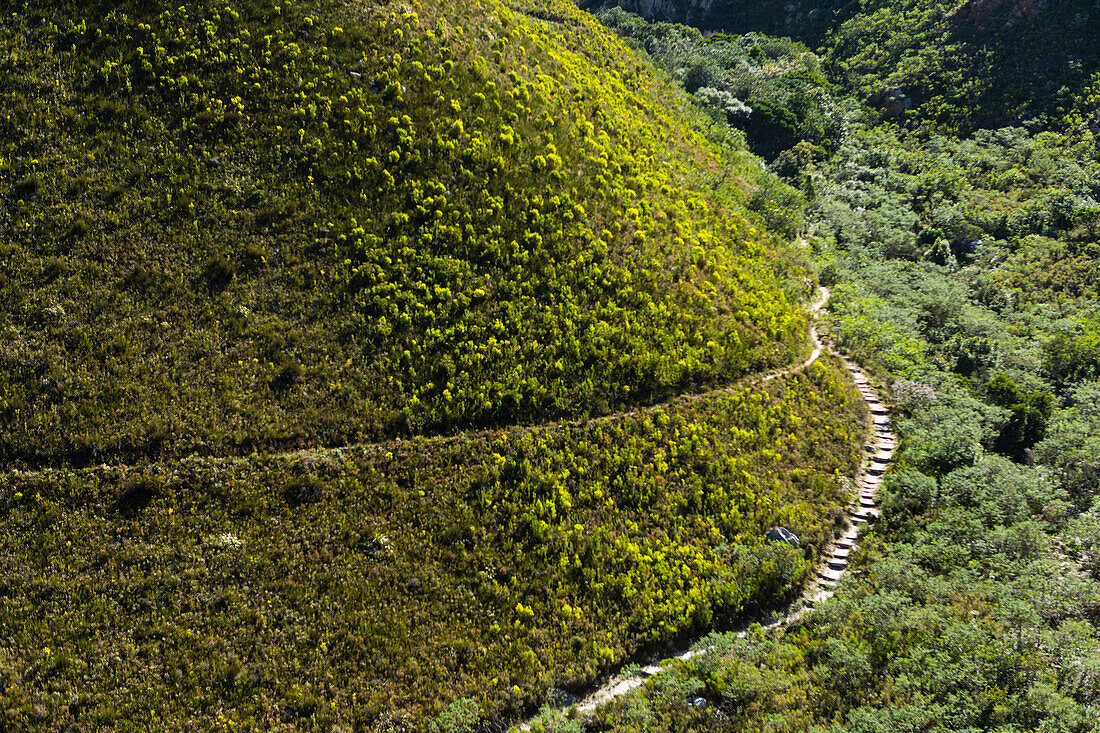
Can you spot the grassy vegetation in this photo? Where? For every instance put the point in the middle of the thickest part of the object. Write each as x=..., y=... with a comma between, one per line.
x=270, y=225
x=447, y=237
x=375, y=585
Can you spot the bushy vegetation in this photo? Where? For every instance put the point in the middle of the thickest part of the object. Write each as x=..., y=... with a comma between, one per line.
x=772, y=89
x=975, y=599
x=809, y=20
x=931, y=65
x=967, y=622
x=965, y=267
x=373, y=586
x=961, y=67
x=263, y=225
x=333, y=337
x=973, y=606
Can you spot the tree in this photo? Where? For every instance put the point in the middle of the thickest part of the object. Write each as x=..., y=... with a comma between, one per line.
x=1072, y=442
x=1076, y=357
x=1086, y=222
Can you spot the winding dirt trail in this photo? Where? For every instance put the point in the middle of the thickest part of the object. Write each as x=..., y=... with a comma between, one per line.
x=862, y=510
x=880, y=449
x=816, y=307
x=319, y=454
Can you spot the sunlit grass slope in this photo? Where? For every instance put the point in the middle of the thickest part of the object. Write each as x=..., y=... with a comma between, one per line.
x=238, y=234
x=375, y=587
x=262, y=225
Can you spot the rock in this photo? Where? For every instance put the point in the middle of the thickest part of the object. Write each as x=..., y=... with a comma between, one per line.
x=697, y=702
x=782, y=534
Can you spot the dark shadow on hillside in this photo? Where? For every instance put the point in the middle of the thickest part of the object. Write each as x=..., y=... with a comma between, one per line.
x=1032, y=56
x=803, y=20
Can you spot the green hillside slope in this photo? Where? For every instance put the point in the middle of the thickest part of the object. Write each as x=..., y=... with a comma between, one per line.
x=366, y=363
x=376, y=586
x=279, y=225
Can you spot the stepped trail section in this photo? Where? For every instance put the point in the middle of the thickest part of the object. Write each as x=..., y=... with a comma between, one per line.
x=880, y=449
x=836, y=554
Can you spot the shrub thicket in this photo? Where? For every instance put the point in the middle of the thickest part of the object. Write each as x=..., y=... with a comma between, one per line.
x=237, y=235
x=470, y=215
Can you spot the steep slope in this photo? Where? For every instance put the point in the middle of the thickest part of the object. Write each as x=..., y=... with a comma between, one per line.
x=369, y=364
x=950, y=66
x=377, y=586
x=278, y=225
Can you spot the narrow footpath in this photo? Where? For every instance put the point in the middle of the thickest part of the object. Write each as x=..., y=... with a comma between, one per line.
x=864, y=509
x=880, y=447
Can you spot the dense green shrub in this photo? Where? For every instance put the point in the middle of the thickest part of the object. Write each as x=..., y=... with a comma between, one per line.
x=1071, y=443
x=771, y=88
x=1074, y=357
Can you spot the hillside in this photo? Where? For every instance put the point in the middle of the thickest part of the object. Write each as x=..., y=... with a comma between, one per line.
x=382, y=366
x=964, y=265
x=931, y=64
x=283, y=226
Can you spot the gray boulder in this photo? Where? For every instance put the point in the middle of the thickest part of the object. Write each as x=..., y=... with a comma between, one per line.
x=782, y=534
